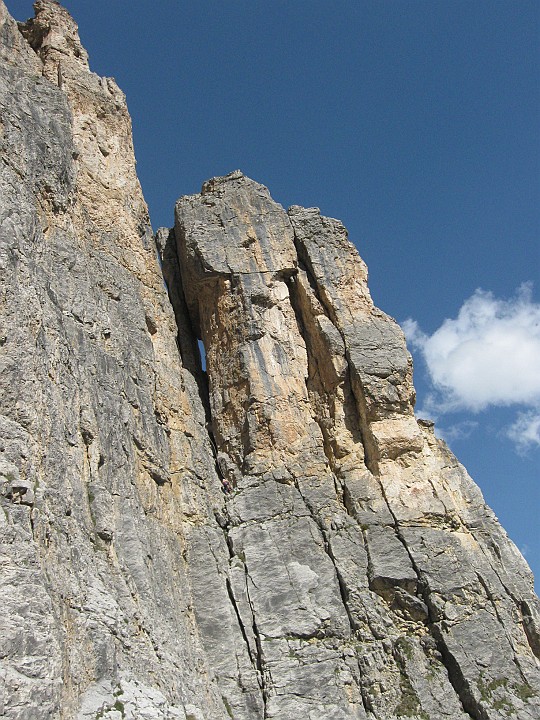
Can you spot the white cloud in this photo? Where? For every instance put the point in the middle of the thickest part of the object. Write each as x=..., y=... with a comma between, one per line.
x=458, y=431
x=488, y=355
x=525, y=431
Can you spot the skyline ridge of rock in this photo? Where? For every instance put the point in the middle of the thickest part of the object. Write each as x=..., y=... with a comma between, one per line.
x=275, y=537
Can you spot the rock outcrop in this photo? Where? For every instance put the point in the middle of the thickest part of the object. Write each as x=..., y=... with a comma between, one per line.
x=275, y=536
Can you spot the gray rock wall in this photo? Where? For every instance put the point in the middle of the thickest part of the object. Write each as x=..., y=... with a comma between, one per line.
x=105, y=461
x=275, y=538
x=378, y=582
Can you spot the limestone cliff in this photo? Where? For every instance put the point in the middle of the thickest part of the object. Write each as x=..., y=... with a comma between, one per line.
x=276, y=537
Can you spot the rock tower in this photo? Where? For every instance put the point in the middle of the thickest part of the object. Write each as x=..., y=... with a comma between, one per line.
x=275, y=536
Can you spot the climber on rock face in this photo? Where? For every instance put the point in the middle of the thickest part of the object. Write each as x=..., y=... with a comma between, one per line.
x=226, y=486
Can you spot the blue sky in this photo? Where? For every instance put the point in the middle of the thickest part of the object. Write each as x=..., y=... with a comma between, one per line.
x=416, y=123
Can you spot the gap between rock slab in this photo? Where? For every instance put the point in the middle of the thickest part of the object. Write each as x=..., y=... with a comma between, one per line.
x=258, y=661
x=302, y=329
x=521, y=605
x=360, y=422
x=239, y=619
x=187, y=342
x=455, y=676
x=305, y=336
x=457, y=680
x=260, y=655
x=533, y=637
x=491, y=599
x=202, y=354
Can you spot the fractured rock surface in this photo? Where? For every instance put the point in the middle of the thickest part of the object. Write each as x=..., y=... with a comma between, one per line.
x=368, y=554
x=105, y=461
x=276, y=537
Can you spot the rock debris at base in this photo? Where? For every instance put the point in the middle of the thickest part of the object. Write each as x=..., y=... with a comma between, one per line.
x=274, y=537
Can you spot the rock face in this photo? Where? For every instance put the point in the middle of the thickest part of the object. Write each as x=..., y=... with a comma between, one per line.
x=276, y=537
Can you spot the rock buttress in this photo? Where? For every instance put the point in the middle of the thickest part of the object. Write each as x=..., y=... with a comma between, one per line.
x=108, y=485
x=376, y=582
x=352, y=570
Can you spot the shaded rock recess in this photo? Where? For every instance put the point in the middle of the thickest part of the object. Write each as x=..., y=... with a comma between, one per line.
x=275, y=536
